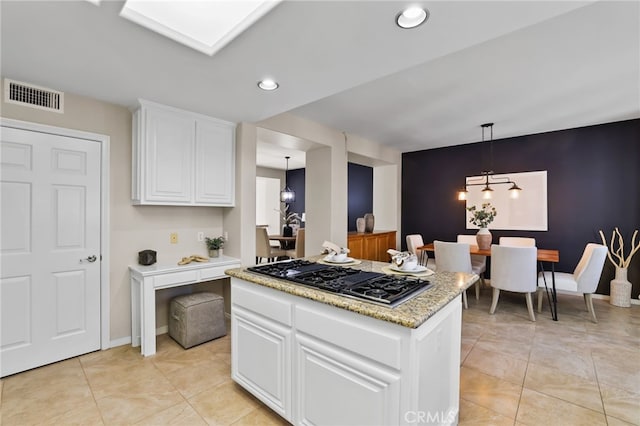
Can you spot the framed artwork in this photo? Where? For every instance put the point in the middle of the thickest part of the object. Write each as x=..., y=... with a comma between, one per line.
x=528, y=212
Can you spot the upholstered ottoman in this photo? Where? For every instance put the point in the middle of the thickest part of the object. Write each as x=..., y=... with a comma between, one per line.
x=196, y=318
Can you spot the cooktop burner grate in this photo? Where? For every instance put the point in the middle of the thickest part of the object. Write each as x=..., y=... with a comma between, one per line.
x=375, y=287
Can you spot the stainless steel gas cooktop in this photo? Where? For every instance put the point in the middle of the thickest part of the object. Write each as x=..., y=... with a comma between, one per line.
x=375, y=287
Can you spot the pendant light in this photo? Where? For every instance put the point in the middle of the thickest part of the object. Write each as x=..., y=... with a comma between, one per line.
x=488, y=177
x=287, y=195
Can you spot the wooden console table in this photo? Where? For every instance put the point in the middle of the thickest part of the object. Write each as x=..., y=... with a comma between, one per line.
x=145, y=280
x=371, y=245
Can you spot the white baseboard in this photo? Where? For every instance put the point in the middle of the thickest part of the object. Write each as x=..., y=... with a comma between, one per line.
x=120, y=342
x=606, y=297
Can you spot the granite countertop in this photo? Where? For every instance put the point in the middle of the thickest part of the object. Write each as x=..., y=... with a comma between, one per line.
x=412, y=313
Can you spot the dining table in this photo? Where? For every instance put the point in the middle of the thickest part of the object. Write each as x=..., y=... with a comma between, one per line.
x=286, y=243
x=550, y=256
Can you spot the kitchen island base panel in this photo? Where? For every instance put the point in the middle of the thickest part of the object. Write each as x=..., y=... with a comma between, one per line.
x=314, y=363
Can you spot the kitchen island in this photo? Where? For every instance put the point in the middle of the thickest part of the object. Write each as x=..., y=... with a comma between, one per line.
x=323, y=358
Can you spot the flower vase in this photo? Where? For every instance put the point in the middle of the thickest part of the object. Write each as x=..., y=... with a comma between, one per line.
x=214, y=252
x=287, y=231
x=483, y=238
x=369, y=221
x=620, y=293
x=360, y=225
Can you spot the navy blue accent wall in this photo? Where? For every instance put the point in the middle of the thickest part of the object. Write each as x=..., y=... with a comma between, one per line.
x=593, y=182
x=296, y=180
x=360, y=190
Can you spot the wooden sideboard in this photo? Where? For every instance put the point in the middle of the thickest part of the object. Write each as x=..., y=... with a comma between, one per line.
x=371, y=245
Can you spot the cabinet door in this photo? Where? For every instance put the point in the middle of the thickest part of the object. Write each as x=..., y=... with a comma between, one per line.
x=261, y=359
x=168, y=157
x=385, y=242
x=355, y=243
x=370, y=247
x=334, y=387
x=215, y=163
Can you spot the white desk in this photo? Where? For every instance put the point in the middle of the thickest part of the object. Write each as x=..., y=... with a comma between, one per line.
x=145, y=280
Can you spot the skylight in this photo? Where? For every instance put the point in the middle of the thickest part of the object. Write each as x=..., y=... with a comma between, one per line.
x=206, y=26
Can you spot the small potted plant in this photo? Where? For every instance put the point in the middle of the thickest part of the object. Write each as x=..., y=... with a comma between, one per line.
x=482, y=218
x=214, y=245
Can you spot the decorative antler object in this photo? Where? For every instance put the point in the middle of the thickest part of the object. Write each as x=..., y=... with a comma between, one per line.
x=620, y=260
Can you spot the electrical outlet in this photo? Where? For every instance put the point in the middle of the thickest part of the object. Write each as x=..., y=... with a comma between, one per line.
x=226, y=236
x=173, y=238
x=200, y=236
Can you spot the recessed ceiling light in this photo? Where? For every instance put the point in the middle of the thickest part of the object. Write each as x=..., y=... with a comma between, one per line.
x=412, y=17
x=268, y=84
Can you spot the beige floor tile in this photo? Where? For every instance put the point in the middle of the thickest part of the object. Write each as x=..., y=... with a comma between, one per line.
x=618, y=367
x=181, y=414
x=489, y=392
x=497, y=364
x=46, y=393
x=261, y=417
x=564, y=358
x=130, y=408
x=475, y=415
x=621, y=404
x=539, y=409
x=191, y=380
x=223, y=404
x=612, y=421
x=129, y=380
x=567, y=387
x=177, y=358
x=88, y=414
x=221, y=345
x=129, y=394
x=465, y=348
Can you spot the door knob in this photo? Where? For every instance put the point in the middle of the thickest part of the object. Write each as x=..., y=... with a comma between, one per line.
x=90, y=259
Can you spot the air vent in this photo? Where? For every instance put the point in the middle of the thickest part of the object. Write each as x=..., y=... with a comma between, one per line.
x=16, y=92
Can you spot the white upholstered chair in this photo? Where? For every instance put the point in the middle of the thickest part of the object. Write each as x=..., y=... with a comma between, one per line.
x=517, y=241
x=263, y=248
x=584, y=279
x=513, y=269
x=454, y=257
x=298, y=251
x=478, y=263
x=413, y=242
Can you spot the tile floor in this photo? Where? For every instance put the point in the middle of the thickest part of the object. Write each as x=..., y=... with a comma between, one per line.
x=514, y=372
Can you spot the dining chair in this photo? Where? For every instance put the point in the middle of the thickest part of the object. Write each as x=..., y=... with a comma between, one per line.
x=454, y=257
x=264, y=250
x=584, y=279
x=478, y=262
x=517, y=241
x=513, y=269
x=413, y=242
x=298, y=251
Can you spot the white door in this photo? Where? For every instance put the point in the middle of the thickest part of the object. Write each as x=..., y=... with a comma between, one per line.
x=268, y=204
x=49, y=248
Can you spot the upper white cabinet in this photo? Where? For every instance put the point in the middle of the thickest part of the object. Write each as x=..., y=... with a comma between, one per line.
x=182, y=158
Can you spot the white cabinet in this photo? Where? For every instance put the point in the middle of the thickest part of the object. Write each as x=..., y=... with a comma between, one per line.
x=261, y=330
x=182, y=158
x=316, y=364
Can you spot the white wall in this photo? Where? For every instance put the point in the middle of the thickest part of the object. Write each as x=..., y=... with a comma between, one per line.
x=133, y=228
x=326, y=187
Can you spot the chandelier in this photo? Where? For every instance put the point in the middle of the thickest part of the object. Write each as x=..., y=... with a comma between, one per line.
x=488, y=177
x=287, y=195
